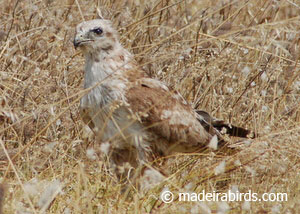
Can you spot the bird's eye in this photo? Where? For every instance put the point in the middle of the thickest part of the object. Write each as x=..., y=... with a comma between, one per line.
x=97, y=31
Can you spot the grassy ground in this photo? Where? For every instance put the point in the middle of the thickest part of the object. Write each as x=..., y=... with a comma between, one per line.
x=237, y=60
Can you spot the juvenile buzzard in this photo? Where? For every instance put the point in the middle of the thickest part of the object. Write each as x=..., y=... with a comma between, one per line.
x=140, y=117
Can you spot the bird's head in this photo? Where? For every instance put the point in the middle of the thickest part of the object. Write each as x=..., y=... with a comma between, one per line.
x=95, y=35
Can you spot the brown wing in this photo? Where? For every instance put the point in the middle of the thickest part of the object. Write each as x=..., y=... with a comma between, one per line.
x=165, y=113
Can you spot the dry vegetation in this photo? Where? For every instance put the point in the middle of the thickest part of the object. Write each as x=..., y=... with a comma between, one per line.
x=237, y=60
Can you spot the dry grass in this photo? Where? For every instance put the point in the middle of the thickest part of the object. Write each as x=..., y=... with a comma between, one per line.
x=236, y=59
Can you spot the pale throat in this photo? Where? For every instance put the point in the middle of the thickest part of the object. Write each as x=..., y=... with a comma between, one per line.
x=97, y=67
x=102, y=65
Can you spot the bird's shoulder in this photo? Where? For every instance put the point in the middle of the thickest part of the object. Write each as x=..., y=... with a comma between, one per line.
x=164, y=111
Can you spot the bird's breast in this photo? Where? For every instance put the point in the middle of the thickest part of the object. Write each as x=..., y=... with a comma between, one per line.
x=95, y=98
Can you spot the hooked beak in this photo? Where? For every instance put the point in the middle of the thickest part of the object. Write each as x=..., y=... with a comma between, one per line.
x=77, y=42
x=80, y=40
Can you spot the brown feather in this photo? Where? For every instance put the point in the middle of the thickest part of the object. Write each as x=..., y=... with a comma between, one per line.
x=165, y=115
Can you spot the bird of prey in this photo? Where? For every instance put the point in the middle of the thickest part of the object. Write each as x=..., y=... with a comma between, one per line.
x=140, y=117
